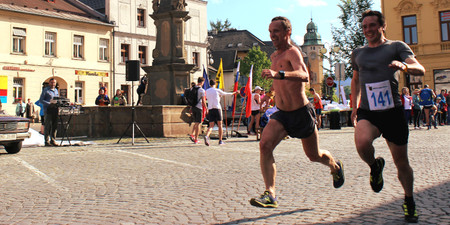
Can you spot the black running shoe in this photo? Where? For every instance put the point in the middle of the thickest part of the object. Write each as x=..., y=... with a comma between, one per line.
x=338, y=177
x=376, y=175
x=410, y=211
x=265, y=200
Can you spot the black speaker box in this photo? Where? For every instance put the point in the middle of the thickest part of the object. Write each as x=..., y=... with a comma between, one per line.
x=132, y=70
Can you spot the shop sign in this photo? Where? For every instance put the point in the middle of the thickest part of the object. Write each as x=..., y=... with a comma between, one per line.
x=91, y=73
x=16, y=68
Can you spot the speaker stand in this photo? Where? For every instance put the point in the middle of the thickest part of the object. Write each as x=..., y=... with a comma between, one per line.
x=133, y=121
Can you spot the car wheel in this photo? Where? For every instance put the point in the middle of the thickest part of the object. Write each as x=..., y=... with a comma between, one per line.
x=13, y=148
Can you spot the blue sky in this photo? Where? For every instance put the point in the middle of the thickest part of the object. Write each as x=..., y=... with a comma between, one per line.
x=255, y=15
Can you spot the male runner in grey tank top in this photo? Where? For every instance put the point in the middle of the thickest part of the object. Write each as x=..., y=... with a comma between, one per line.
x=376, y=67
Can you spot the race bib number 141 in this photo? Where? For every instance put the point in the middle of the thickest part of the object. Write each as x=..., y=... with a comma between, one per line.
x=379, y=95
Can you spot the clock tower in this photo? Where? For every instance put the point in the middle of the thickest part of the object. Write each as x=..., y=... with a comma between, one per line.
x=311, y=47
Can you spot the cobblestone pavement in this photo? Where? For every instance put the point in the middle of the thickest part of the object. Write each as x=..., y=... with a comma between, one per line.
x=173, y=181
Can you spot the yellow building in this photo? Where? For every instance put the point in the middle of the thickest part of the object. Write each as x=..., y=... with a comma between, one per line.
x=59, y=39
x=425, y=26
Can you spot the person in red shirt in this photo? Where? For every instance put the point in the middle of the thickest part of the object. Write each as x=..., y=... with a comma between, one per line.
x=318, y=106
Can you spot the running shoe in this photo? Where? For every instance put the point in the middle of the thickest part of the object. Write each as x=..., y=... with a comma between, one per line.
x=376, y=175
x=265, y=200
x=338, y=177
x=196, y=142
x=206, y=138
x=410, y=211
x=221, y=143
x=192, y=138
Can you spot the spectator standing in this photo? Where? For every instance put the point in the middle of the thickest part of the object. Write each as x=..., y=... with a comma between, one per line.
x=41, y=115
x=30, y=110
x=215, y=110
x=50, y=112
x=417, y=109
x=102, y=99
x=119, y=99
x=20, y=108
x=141, y=89
x=432, y=119
x=256, y=107
x=407, y=103
x=426, y=100
x=197, y=110
x=317, y=106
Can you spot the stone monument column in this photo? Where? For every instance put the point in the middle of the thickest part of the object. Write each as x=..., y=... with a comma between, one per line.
x=169, y=74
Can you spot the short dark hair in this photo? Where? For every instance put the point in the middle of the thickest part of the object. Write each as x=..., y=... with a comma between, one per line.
x=378, y=14
x=52, y=79
x=312, y=89
x=212, y=82
x=200, y=79
x=284, y=21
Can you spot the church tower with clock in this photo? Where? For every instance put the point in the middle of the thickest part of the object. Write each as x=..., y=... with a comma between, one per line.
x=311, y=47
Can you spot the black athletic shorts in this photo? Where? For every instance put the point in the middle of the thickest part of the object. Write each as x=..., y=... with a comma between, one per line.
x=391, y=123
x=299, y=123
x=255, y=112
x=214, y=115
x=196, y=115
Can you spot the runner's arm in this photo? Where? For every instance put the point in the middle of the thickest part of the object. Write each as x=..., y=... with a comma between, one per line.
x=356, y=95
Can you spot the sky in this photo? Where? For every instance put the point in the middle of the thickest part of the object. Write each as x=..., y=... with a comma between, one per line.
x=255, y=15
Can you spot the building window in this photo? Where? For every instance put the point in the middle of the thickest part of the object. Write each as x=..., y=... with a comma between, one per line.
x=18, y=89
x=143, y=54
x=195, y=57
x=19, y=37
x=445, y=25
x=141, y=17
x=410, y=29
x=78, y=47
x=50, y=44
x=124, y=52
x=79, y=92
x=103, y=50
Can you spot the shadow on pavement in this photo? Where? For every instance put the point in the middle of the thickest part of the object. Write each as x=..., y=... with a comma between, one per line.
x=246, y=220
x=432, y=206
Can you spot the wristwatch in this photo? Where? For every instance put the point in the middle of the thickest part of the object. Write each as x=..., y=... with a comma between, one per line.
x=281, y=72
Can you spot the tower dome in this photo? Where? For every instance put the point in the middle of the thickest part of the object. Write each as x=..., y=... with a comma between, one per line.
x=312, y=37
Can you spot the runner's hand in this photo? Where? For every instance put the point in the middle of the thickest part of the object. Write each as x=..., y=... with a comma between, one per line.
x=268, y=74
x=397, y=65
x=353, y=117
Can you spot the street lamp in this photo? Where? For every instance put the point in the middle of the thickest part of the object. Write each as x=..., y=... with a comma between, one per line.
x=334, y=49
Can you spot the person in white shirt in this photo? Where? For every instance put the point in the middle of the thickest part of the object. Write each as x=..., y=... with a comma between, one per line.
x=256, y=107
x=215, y=110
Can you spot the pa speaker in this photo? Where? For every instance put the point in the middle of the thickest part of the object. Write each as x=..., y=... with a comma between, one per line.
x=133, y=70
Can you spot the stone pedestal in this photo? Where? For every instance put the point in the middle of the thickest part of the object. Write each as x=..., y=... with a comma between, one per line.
x=166, y=83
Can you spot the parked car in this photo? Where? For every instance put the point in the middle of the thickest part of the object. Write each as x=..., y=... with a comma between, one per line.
x=13, y=130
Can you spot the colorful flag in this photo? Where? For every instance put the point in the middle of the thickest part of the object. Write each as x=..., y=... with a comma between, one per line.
x=248, y=94
x=205, y=75
x=219, y=77
x=235, y=89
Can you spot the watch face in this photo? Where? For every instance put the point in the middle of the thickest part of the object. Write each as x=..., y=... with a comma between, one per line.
x=312, y=55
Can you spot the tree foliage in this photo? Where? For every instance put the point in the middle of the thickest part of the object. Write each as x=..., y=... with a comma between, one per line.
x=220, y=26
x=260, y=61
x=349, y=36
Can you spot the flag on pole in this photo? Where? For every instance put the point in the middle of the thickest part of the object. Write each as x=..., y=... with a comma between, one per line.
x=219, y=77
x=205, y=75
x=248, y=94
x=235, y=89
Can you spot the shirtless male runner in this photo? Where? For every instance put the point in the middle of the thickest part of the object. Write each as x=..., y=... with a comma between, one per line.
x=296, y=116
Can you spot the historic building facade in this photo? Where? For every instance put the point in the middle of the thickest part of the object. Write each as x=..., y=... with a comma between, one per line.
x=425, y=26
x=311, y=48
x=52, y=39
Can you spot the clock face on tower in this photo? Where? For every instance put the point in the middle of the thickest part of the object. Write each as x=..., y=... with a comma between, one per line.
x=313, y=55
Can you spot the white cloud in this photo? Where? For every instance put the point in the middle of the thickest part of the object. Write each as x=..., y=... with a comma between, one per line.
x=306, y=3
x=298, y=39
x=280, y=10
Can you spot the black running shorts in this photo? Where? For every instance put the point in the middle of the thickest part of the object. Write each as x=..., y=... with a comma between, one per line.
x=391, y=123
x=299, y=123
x=196, y=115
x=214, y=115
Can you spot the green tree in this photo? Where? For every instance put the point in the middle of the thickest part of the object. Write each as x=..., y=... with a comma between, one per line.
x=260, y=61
x=220, y=26
x=349, y=36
